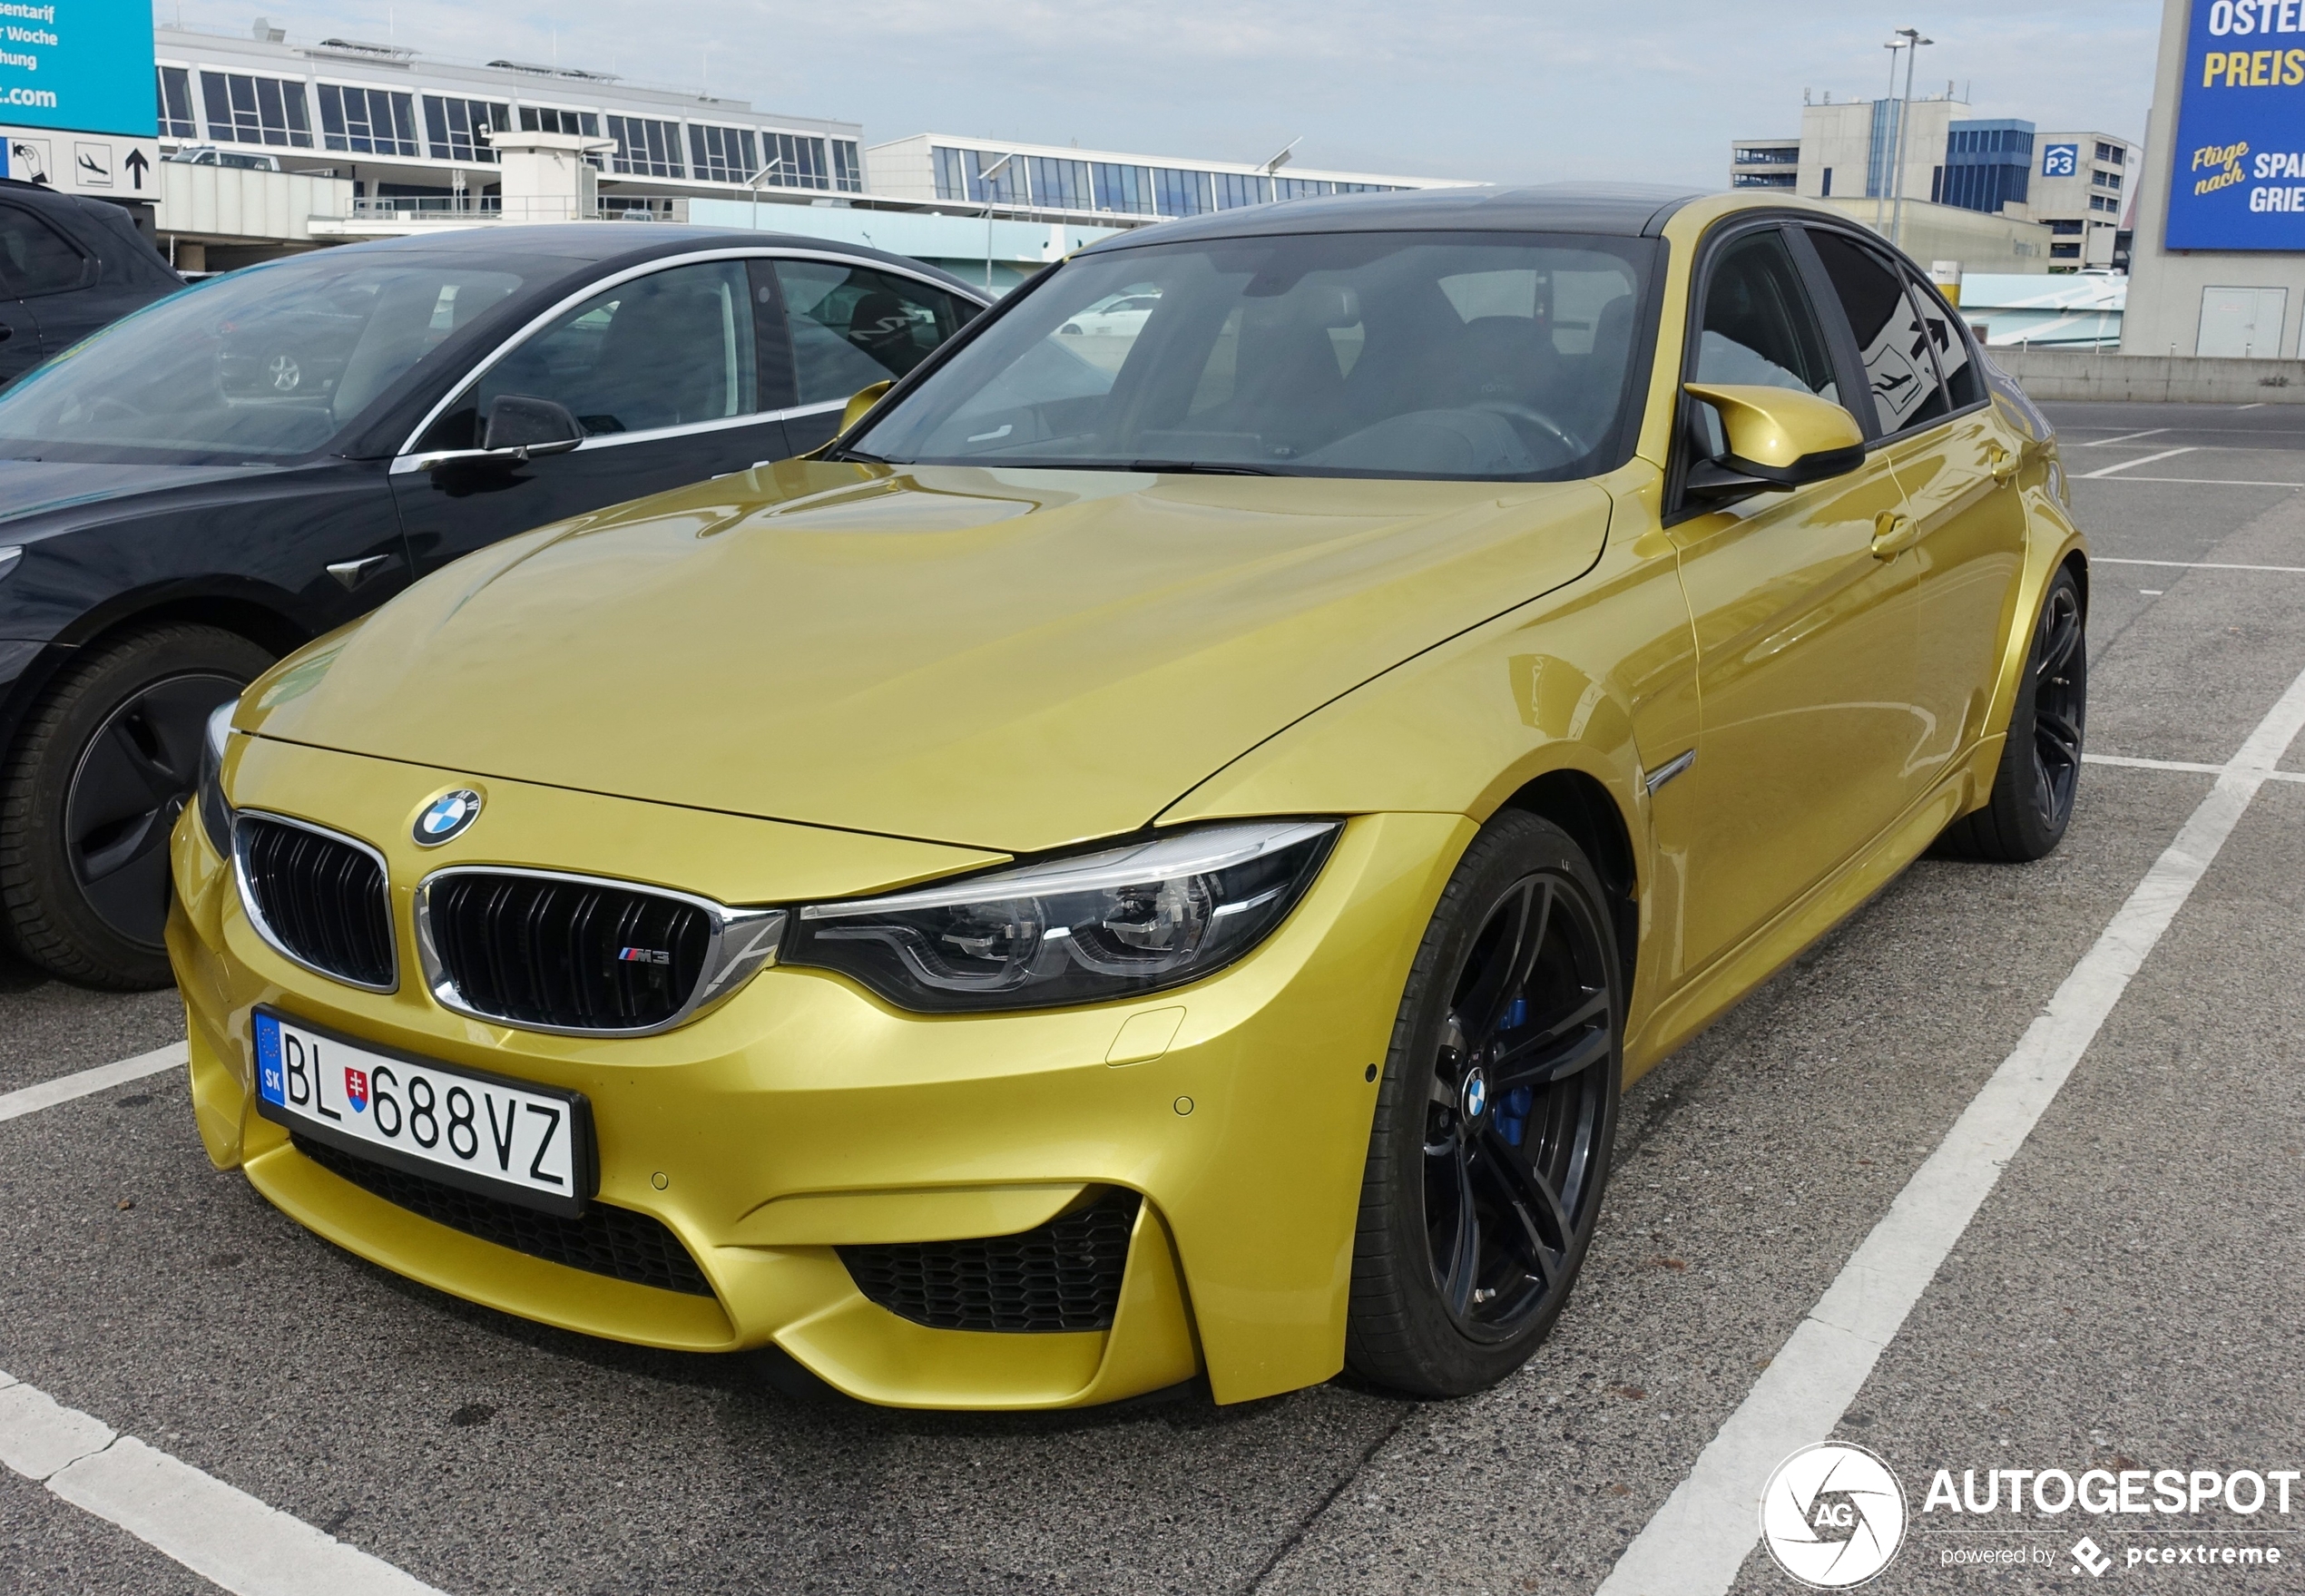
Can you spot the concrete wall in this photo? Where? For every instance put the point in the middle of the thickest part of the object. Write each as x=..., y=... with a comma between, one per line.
x=2062, y=374
x=2001, y=244
x=2164, y=289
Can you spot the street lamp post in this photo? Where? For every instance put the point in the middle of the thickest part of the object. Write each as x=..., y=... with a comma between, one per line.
x=985, y=175
x=759, y=177
x=1913, y=43
x=1881, y=194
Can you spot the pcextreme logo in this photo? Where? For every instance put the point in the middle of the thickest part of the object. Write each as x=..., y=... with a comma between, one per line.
x=1832, y=1515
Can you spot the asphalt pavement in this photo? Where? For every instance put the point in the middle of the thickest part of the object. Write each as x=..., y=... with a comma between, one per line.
x=2127, y=1298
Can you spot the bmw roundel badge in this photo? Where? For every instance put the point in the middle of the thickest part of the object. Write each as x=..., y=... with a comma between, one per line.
x=447, y=817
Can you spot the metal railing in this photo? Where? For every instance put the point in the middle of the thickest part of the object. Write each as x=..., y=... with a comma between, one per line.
x=493, y=208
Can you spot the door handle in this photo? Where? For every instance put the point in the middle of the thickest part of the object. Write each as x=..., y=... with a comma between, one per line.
x=1892, y=534
x=2006, y=465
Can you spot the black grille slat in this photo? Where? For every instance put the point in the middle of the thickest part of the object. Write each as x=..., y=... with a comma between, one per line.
x=544, y=951
x=618, y=1242
x=1063, y=1275
x=324, y=900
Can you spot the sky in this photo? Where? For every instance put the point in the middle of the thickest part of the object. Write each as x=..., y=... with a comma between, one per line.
x=1609, y=90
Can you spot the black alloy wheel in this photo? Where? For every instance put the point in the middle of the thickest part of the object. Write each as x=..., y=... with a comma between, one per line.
x=1490, y=1150
x=2039, y=774
x=90, y=794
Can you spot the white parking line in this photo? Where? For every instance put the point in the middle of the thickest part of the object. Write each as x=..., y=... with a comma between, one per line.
x=28, y=1100
x=2192, y=481
x=2124, y=437
x=1701, y=1537
x=2196, y=565
x=2127, y=465
x=222, y=1535
x=2128, y=763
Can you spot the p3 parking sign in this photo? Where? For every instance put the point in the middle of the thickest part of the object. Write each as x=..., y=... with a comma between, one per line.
x=2060, y=160
x=2238, y=173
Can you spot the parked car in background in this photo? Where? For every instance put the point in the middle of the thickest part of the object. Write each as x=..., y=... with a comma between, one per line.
x=67, y=267
x=225, y=476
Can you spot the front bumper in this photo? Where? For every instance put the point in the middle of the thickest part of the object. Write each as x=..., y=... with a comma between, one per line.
x=805, y=1114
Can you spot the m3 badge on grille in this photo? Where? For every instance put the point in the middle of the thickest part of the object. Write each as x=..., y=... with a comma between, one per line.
x=447, y=817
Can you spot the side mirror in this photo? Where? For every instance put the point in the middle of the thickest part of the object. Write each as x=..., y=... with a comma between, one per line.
x=862, y=400
x=1776, y=438
x=523, y=426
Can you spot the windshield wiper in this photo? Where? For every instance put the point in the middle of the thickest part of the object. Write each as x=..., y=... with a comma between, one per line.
x=856, y=455
x=1199, y=468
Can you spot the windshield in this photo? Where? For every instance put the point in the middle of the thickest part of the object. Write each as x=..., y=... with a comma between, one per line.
x=1419, y=355
x=265, y=364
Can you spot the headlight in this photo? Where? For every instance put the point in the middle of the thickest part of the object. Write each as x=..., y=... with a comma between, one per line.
x=215, y=814
x=1085, y=929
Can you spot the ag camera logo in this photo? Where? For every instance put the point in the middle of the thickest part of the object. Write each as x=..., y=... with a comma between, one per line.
x=1832, y=1515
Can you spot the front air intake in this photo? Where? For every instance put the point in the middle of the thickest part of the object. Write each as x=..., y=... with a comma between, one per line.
x=318, y=897
x=573, y=954
x=1063, y=1275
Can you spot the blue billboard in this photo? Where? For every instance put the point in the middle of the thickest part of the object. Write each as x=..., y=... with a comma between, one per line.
x=2060, y=160
x=2237, y=172
x=78, y=65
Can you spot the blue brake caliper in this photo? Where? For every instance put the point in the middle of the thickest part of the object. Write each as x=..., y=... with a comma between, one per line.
x=1513, y=1109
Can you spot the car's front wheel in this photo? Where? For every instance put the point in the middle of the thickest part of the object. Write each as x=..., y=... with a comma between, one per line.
x=103, y=765
x=1494, y=1123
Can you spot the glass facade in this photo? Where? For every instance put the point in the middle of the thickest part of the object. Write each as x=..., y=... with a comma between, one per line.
x=847, y=168
x=1055, y=182
x=545, y=119
x=454, y=128
x=722, y=154
x=1988, y=165
x=645, y=147
x=248, y=110
x=796, y=161
x=368, y=122
x=175, y=93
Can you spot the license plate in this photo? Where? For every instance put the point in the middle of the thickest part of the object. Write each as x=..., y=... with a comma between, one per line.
x=525, y=1144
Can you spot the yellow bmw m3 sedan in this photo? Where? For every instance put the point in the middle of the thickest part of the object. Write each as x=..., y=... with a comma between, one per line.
x=1155, y=854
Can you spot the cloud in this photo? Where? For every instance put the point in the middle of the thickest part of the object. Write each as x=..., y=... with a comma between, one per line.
x=1447, y=88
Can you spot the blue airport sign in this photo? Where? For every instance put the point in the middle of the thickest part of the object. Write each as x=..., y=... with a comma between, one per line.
x=2238, y=175
x=78, y=65
x=2060, y=160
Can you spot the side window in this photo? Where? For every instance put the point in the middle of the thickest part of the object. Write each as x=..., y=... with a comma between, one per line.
x=852, y=327
x=35, y=259
x=1760, y=328
x=1964, y=384
x=672, y=348
x=1907, y=390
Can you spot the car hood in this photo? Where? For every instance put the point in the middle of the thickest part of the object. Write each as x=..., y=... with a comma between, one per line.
x=33, y=487
x=1003, y=659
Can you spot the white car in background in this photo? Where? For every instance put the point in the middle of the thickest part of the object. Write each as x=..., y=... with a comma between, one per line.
x=1118, y=315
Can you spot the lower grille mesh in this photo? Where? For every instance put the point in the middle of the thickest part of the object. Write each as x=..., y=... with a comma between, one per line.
x=613, y=1242
x=1065, y=1276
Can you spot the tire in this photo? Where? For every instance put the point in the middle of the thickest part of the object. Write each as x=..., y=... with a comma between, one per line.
x=2040, y=769
x=1437, y=1311
x=88, y=794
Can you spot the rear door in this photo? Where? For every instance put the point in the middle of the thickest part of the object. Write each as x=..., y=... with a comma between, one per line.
x=1958, y=465
x=675, y=372
x=849, y=325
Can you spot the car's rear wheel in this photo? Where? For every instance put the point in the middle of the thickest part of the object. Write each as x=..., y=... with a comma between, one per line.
x=91, y=791
x=1490, y=1149
x=2040, y=769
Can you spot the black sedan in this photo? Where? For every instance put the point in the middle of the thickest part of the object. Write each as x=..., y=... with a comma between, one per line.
x=259, y=459
x=67, y=267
